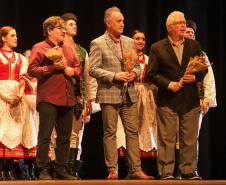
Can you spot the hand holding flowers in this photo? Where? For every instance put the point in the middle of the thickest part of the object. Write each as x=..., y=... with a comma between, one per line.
x=130, y=59
x=196, y=64
x=56, y=55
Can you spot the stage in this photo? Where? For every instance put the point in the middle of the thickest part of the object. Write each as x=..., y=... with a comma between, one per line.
x=116, y=182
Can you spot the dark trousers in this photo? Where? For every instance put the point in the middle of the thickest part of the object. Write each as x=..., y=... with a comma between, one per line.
x=59, y=117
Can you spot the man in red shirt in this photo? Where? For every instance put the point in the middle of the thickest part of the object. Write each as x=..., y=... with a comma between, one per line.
x=55, y=95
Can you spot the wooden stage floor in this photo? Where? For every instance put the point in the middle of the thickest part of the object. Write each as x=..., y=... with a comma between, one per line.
x=117, y=182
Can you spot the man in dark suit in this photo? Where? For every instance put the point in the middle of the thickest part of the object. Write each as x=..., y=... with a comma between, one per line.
x=106, y=65
x=176, y=101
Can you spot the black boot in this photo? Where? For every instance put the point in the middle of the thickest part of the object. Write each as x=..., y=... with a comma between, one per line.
x=32, y=170
x=52, y=166
x=23, y=170
x=2, y=173
x=71, y=160
x=73, y=164
x=9, y=169
x=76, y=168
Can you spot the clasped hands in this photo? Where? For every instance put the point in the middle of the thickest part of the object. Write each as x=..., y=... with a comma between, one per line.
x=186, y=79
x=62, y=64
x=13, y=100
x=125, y=76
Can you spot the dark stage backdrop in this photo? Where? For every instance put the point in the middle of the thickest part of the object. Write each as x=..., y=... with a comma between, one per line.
x=150, y=16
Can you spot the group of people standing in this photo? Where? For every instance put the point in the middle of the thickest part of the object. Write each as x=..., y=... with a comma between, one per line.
x=146, y=102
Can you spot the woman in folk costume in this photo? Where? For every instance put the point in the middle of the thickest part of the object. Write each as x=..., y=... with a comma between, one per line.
x=12, y=109
x=146, y=102
x=30, y=130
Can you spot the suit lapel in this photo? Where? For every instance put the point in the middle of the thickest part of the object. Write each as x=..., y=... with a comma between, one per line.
x=185, y=57
x=111, y=46
x=171, y=51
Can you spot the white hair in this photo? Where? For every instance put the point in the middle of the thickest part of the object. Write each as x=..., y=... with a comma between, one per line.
x=172, y=17
x=109, y=12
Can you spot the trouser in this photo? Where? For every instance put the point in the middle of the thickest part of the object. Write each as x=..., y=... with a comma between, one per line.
x=59, y=117
x=75, y=140
x=167, y=120
x=128, y=114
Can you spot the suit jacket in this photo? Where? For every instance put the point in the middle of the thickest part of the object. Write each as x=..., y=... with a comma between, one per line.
x=164, y=67
x=105, y=61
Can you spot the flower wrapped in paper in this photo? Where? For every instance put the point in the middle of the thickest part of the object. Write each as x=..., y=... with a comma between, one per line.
x=130, y=59
x=196, y=64
x=55, y=53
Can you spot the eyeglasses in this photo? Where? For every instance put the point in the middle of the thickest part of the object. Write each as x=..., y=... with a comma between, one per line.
x=60, y=28
x=179, y=22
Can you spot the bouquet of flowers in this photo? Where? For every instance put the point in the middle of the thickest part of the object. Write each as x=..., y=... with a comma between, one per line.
x=196, y=64
x=55, y=53
x=130, y=59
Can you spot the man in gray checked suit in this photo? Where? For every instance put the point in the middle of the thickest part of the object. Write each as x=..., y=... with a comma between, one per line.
x=106, y=65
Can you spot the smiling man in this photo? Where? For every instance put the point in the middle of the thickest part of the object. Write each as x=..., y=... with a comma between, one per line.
x=168, y=60
x=55, y=96
x=106, y=65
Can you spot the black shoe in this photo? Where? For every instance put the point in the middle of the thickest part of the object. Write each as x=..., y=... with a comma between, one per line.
x=45, y=175
x=168, y=177
x=191, y=176
x=63, y=175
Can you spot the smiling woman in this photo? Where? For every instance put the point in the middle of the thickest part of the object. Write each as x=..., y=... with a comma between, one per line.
x=13, y=67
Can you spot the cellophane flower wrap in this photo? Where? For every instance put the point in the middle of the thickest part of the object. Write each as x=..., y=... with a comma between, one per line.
x=130, y=59
x=55, y=54
x=196, y=64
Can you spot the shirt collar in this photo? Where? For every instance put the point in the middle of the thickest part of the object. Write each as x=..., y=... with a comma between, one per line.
x=115, y=40
x=52, y=44
x=173, y=43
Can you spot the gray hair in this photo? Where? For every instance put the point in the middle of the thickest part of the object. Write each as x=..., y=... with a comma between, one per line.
x=109, y=12
x=172, y=18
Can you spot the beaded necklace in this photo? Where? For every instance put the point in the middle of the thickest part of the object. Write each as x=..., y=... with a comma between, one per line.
x=10, y=60
x=141, y=58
